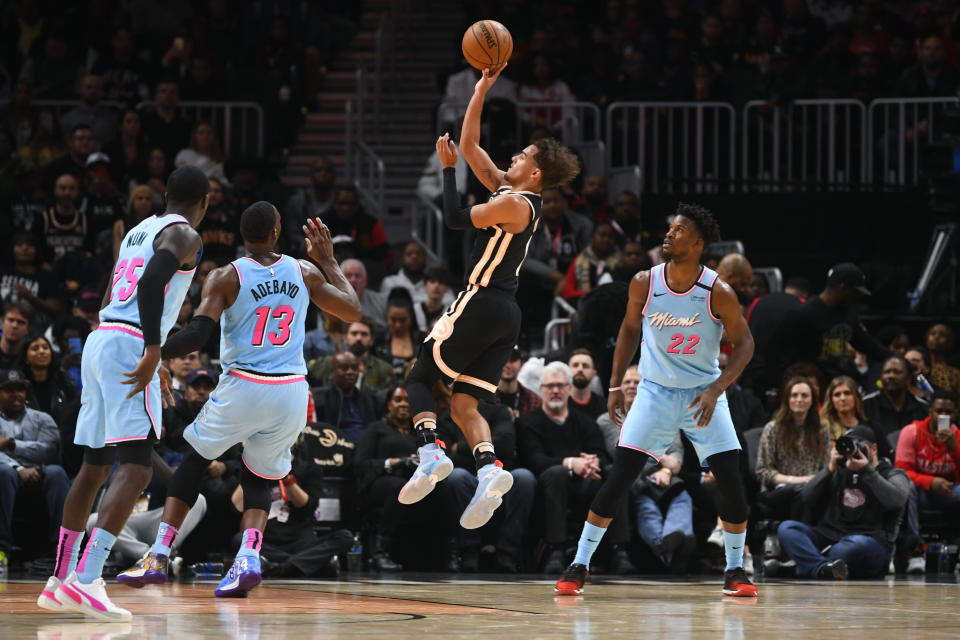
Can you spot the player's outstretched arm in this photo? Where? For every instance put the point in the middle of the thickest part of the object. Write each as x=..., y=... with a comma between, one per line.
x=176, y=246
x=628, y=339
x=483, y=167
x=219, y=292
x=725, y=306
x=332, y=293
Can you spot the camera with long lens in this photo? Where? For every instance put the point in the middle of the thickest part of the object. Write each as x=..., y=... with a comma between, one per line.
x=846, y=446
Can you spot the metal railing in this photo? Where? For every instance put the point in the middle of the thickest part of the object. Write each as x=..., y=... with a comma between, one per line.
x=240, y=124
x=898, y=127
x=679, y=146
x=806, y=144
x=427, y=228
x=557, y=330
x=362, y=166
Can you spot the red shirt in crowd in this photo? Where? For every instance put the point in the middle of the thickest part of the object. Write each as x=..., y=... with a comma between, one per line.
x=923, y=457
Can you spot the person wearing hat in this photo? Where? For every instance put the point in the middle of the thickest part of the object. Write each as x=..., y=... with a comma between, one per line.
x=197, y=387
x=29, y=453
x=858, y=498
x=101, y=205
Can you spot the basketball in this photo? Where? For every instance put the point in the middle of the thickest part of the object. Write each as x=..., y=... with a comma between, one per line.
x=487, y=44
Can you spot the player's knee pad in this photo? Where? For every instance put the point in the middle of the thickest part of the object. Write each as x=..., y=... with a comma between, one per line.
x=185, y=483
x=731, y=496
x=627, y=464
x=256, y=491
x=420, y=381
x=136, y=452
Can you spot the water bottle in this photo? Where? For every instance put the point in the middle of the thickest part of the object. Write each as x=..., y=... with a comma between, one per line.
x=943, y=560
x=925, y=387
x=206, y=569
x=355, y=556
x=933, y=556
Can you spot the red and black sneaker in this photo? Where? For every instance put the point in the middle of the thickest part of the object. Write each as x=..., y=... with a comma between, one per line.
x=737, y=584
x=571, y=584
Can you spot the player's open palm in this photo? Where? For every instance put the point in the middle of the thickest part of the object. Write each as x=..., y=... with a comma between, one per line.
x=319, y=243
x=447, y=151
x=143, y=374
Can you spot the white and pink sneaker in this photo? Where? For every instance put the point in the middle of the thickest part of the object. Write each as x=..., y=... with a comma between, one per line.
x=47, y=599
x=89, y=599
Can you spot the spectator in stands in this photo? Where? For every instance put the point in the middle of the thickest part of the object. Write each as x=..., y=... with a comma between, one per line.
x=26, y=280
x=342, y=403
x=510, y=393
x=931, y=76
x=584, y=272
x=124, y=73
x=919, y=359
x=349, y=218
x=512, y=525
x=927, y=451
x=64, y=225
x=203, y=152
x=156, y=172
x=632, y=259
x=292, y=547
x=374, y=373
x=869, y=80
x=198, y=384
x=80, y=145
x=128, y=153
x=565, y=449
x=140, y=206
x=220, y=227
x=44, y=147
x=436, y=285
x=180, y=367
x=13, y=330
x=582, y=398
x=315, y=201
x=29, y=444
x=163, y=125
x=593, y=200
x=793, y=447
x=50, y=388
x=939, y=342
x=459, y=89
x=413, y=262
x=400, y=344
x=544, y=87
x=51, y=71
x=769, y=318
x=735, y=270
x=893, y=407
x=100, y=119
x=842, y=407
x=202, y=83
x=385, y=460
x=374, y=303
x=20, y=117
x=101, y=206
x=626, y=218
x=858, y=501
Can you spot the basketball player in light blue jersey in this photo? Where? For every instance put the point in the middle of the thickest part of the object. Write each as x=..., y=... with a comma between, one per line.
x=261, y=301
x=682, y=309
x=118, y=422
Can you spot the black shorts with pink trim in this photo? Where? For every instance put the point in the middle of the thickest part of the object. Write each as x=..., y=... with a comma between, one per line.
x=472, y=340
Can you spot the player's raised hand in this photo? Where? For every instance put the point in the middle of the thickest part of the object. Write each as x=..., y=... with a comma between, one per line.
x=143, y=374
x=319, y=242
x=447, y=151
x=166, y=393
x=705, y=403
x=615, y=407
x=487, y=78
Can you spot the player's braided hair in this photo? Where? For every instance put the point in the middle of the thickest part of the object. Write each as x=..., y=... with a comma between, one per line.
x=706, y=223
x=558, y=165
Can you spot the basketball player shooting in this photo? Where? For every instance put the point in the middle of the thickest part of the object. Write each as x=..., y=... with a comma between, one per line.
x=473, y=339
x=682, y=309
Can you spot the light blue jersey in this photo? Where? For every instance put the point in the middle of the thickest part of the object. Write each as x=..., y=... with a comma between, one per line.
x=135, y=253
x=263, y=331
x=681, y=336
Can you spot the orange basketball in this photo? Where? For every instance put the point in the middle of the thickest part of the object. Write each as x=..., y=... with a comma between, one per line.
x=487, y=44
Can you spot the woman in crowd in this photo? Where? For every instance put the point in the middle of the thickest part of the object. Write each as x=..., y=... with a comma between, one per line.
x=601, y=256
x=156, y=173
x=793, y=447
x=128, y=154
x=139, y=207
x=939, y=340
x=50, y=388
x=204, y=151
x=384, y=461
x=842, y=407
x=399, y=345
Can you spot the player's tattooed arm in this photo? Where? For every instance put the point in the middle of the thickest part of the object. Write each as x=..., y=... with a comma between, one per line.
x=628, y=339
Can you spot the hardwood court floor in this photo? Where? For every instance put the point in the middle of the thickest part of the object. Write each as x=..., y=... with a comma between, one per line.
x=439, y=607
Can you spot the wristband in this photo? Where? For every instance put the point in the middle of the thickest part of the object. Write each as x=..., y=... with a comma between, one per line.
x=289, y=480
x=283, y=491
x=387, y=466
x=613, y=389
x=570, y=465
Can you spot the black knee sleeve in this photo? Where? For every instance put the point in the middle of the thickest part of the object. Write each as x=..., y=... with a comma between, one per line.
x=627, y=464
x=420, y=381
x=731, y=496
x=185, y=483
x=256, y=491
